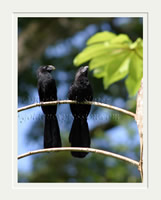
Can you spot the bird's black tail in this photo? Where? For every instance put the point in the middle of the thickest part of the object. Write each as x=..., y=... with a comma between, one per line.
x=79, y=136
x=51, y=132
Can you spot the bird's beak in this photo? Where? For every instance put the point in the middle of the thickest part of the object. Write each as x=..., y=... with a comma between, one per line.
x=85, y=69
x=51, y=68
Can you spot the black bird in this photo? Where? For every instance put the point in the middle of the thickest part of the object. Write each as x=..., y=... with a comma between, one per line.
x=48, y=92
x=80, y=91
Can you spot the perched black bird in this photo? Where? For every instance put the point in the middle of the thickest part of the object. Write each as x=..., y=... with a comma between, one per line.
x=48, y=92
x=80, y=91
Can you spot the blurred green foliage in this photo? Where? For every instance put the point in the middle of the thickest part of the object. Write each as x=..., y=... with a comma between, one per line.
x=57, y=41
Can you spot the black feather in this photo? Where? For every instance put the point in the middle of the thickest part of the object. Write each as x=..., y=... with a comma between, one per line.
x=48, y=92
x=80, y=91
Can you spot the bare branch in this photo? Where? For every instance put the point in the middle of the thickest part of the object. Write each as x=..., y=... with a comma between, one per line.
x=98, y=151
x=103, y=105
x=139, y=120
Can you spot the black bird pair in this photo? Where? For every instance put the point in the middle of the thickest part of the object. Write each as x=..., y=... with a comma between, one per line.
x=80, y=91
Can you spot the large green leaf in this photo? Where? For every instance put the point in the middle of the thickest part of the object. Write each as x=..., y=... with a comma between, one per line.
x=120, y=39
x=113, y=57
x=132, y=85
x=90, y=52
x=102, y=60
x=135, y=74
x=100, y=72
x=137, y=46
x=117, y=69
x=111, y=54
x=101, y=37
x=136, y=67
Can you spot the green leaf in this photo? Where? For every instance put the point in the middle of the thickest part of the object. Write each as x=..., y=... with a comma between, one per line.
x=117, y=69
x=136, y=67
x=90, y=52
x=100, y=72
x=135, y=74
x=101, y=37
x=132, y=85
x=120, y=39
x=116, y=45
x=105, y=58
x=113, y=57
x=137, y=44
x=98, y=61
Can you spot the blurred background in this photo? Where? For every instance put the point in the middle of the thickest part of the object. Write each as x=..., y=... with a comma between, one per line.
x=57, y=41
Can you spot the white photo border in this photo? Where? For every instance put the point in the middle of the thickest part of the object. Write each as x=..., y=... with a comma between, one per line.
x=15, y=183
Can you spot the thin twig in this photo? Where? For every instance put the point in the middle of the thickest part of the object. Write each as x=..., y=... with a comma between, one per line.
x=103, y=105
x=106, y=153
